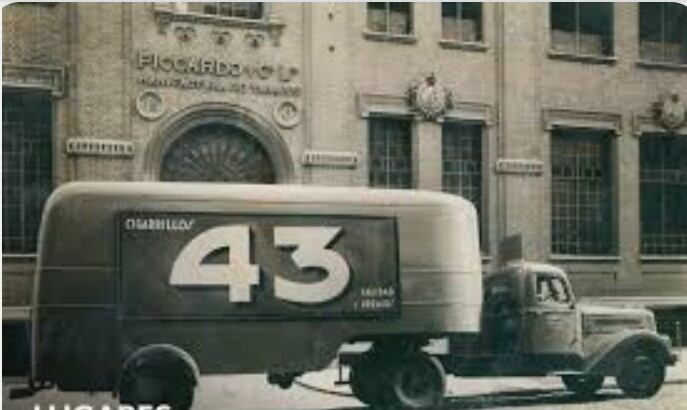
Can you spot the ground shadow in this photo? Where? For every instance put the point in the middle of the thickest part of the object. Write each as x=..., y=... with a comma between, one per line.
x=522, y=398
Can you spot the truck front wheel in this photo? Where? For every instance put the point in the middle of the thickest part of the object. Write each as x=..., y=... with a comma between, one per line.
x=583, y=385
x=367, y=380
x=641, y=375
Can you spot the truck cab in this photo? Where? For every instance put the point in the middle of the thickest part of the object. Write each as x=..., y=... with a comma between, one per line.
x=532, y=326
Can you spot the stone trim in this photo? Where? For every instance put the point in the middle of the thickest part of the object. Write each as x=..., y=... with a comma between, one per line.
x=178, y=124
x=463, y=45
x=388, y=37
x=393, y=105
x=396, y=105
x=583, y=58
x=563, y=118
x=646, y=123
x=165, y=14
x=35, y=77
x=661, y=65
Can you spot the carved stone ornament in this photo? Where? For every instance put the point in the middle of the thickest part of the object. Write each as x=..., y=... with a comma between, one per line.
x=150, y=105
x=670, y=112
x=185, y=33
x=429, y=98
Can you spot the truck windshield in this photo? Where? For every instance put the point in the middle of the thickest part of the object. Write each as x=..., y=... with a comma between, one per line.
x=552, y=289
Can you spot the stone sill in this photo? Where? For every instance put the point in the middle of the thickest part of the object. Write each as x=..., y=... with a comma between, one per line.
x=663, y=258
x=463, y=45
x=662, y=65
x=585, y=258
x=391, y=38
x=19, y=257
x=583, y=58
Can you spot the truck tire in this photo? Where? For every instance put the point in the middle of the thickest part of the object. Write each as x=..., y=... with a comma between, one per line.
x=641, y=375
x=158, y=375
x=156, y=390
x=583, y=385
x=417, y=382
x=366, y=381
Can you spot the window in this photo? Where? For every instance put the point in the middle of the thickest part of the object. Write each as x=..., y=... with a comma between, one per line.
x=238, y=10
x=390, y=153
x=582, y=28
x=461, y=161
x=552, y=289
x=581, y=197
x=461, y=22
x=26, y=167
x=663, y=193
x=663, y=32
x=391, y=18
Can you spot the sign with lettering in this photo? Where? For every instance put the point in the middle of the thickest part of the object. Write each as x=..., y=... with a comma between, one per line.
x=258, y=266
x=216, y=75
x=519, y=166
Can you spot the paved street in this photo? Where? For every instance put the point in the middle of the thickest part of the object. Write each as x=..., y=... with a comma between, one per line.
x=253, y=393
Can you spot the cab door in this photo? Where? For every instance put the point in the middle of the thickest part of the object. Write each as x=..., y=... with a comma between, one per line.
x=551, y=319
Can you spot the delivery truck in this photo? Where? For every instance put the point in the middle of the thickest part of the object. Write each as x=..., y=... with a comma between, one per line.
x=142, y=287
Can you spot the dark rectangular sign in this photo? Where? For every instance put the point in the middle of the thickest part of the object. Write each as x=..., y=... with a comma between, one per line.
x=258, y=266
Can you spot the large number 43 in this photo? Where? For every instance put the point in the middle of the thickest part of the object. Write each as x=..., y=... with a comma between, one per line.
x=240, y=275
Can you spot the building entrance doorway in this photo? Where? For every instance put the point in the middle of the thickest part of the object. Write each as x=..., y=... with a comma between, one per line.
x=217, y=152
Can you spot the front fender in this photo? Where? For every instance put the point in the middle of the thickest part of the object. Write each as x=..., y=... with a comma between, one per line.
x=606, y=359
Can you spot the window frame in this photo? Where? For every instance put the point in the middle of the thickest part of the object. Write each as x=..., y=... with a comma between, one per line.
x=607, y=191
x=662, y=61
x=645, y=140
x=410, y=157
x=387, y=35
x=577, y=55
x=460, y=43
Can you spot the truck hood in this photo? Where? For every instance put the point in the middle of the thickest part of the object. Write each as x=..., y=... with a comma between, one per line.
x=603, y=319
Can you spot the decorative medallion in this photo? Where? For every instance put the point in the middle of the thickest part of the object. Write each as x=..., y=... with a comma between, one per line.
x=150, y=105
x=185, y=33
x=287, y=114
x=429, y=98
x=670, y=111
x=254, y=39
x=222, y=37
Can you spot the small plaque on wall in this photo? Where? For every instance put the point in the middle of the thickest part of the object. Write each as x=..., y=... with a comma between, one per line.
x=519, y=166
x=332, y=159
x=99, y=147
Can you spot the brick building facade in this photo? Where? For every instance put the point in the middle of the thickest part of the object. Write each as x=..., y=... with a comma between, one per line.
x=564, y=123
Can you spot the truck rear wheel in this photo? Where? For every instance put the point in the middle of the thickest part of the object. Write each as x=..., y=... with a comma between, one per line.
x=641, y=375
x=158, y=375
x=583, y=385
x=417, y=382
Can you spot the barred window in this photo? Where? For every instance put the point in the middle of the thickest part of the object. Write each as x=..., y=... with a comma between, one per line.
x=246, y=10
x=663, y=32
x=26, y=167
x=582, y=28
x=390, y=152
x=461, y=161
x=581, y=192
x=663, y=180
x=461, y=21
x=391, y=18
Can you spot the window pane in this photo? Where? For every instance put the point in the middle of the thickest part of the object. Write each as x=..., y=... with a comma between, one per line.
x=581, y=203
x=376, y=16
x=596, y=26
x=675, y=33
x=461, y=163
x=563, y=27
x=390, y=149
x=399, y=18
x=26, y=168
x=235, y=9
x=472, y=21
x=663, y=179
